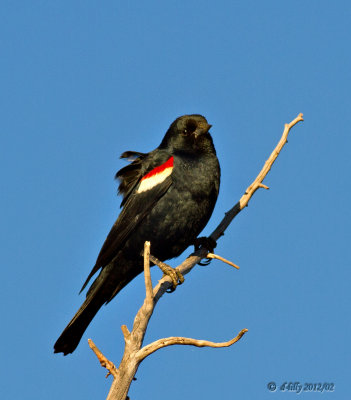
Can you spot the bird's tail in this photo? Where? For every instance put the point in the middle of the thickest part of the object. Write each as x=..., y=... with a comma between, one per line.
x=70, y=337
x=104, y=288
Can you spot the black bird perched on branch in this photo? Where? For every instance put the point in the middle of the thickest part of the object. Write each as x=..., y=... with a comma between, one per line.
x=168, y=197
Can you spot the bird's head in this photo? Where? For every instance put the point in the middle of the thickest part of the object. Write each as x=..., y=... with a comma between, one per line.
x=189, y=133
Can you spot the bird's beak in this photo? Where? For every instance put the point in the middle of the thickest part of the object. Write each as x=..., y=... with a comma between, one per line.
x=208, y=127
x=203, y=128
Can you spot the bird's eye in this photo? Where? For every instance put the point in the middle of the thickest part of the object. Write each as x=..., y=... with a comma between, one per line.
x=190, y=127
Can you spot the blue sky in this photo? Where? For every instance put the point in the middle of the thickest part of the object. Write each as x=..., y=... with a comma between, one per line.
x=81, y=82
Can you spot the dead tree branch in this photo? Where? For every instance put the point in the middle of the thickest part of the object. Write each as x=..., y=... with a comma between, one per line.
x=134, y=353
x=170, y=341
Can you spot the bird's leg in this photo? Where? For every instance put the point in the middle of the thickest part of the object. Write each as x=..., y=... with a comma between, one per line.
x=206, y=242
x=176, y=276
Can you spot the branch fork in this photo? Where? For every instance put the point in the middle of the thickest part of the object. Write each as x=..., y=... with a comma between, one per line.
x=134, y=353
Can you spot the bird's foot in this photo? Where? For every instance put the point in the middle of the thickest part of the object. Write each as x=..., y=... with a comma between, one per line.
x=175, y=275
x=209, y=244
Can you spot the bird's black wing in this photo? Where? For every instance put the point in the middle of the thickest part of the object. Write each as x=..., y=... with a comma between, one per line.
x=130, y=175
x=143, y=183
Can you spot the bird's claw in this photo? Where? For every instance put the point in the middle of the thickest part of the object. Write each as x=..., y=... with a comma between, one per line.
x=206, y=242
x=176, y=276
x=205, y=263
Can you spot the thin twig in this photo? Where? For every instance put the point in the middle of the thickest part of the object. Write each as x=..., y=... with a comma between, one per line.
x=256, y=184
x=105, y=363
x=147, y=275
x=170, y=341
x=217, y=257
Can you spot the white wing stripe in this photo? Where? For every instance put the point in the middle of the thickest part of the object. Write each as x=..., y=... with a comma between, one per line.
x=150, y=182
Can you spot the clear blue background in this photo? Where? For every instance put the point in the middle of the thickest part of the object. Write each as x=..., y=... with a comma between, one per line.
x=83, y=81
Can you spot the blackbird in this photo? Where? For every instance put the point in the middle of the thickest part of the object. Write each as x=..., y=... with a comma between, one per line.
x=168, y=197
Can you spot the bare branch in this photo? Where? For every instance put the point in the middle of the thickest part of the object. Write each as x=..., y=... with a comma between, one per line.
x=256, y=184
x=126, y=333
x=170, y=341
x=217, y=257
x=147, y=275
x=105, y=363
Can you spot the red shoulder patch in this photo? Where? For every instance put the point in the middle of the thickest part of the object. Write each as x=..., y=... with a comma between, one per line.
x=156, y=176
x=160, y=168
